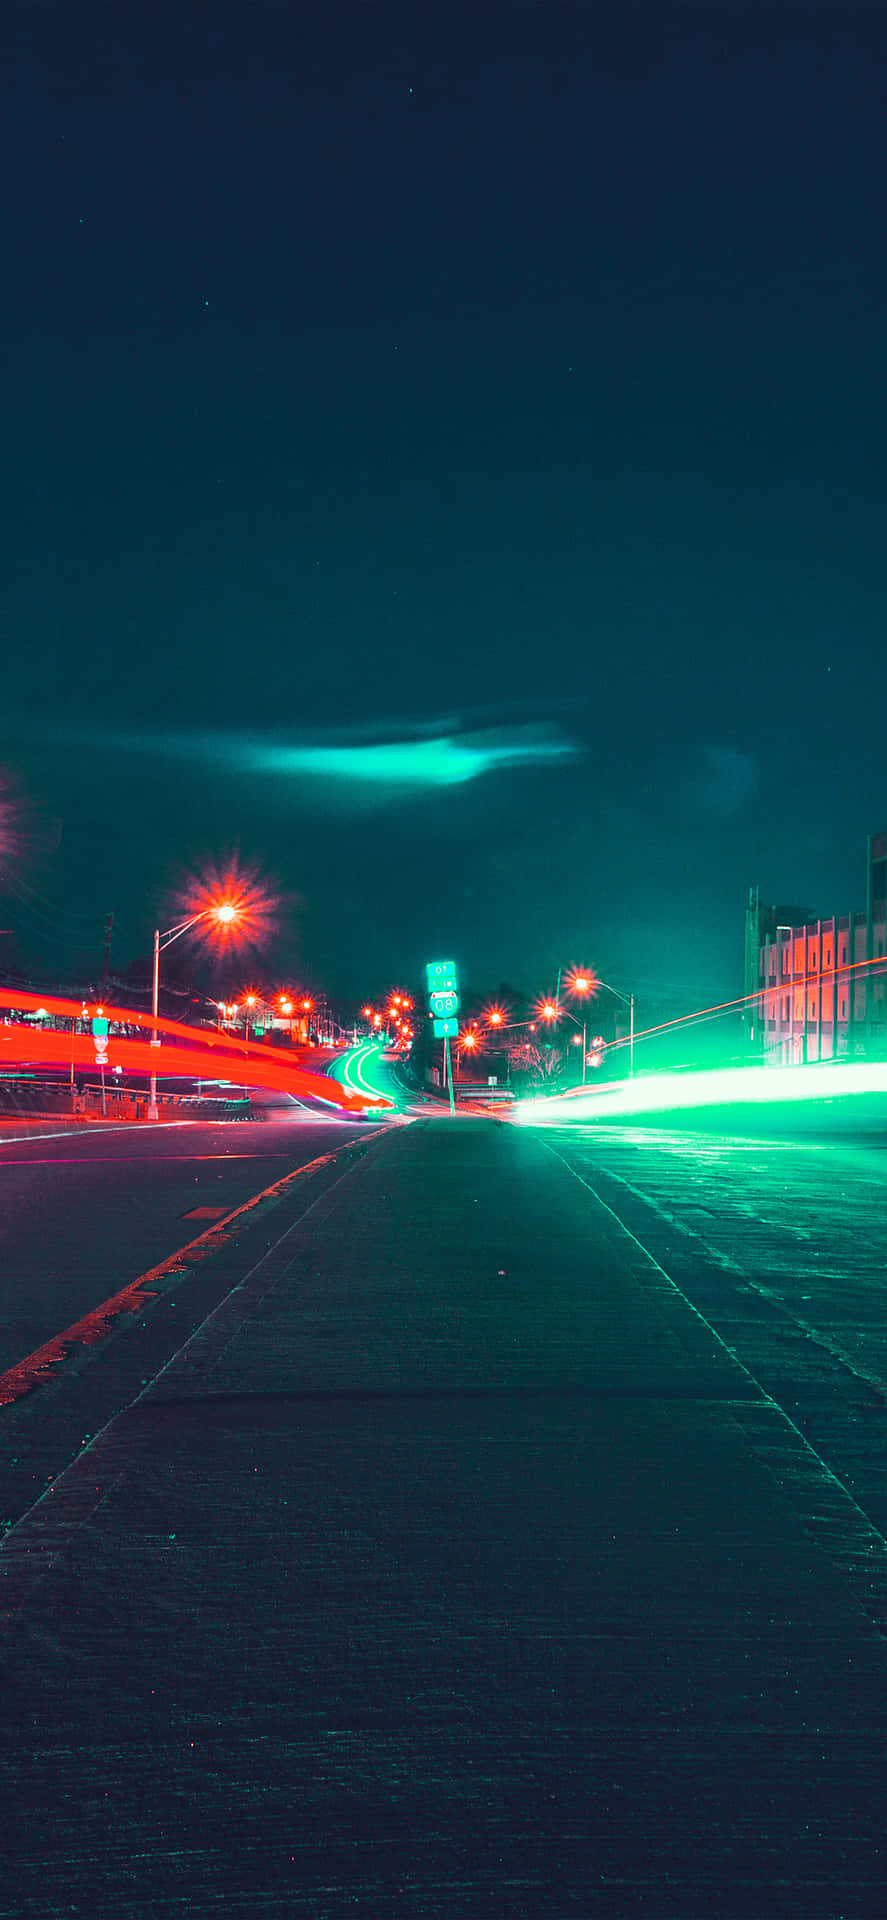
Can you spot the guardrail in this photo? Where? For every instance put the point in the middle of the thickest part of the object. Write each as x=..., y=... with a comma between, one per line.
x=36, y=1099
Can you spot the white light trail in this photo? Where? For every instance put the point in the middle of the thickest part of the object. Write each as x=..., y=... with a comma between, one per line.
x=730, y=1086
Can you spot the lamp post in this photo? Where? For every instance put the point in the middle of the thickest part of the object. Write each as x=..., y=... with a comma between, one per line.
x=627, y=1000
x=581, y=983
x=225, y=912
x=588, y=983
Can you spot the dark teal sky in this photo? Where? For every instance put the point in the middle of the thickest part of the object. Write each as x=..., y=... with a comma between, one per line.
x=392, y=367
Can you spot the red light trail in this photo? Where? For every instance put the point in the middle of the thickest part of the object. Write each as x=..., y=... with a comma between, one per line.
x=198, y=1055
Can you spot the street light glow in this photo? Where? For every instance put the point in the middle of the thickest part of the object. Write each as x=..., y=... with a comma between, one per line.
x=229, y=904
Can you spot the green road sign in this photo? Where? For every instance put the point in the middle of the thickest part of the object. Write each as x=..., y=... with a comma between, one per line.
x=446, y=1029
x=441, y=975
x=442, y=1004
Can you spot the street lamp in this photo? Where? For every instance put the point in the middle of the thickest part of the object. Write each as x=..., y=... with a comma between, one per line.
x=224, y=913
x=627, y=1000
x=581, y=983
x=467, y=1043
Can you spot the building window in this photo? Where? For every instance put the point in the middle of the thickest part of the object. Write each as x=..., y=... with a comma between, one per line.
x=811, y=1010
x=842, y=1010
x=827, y=954
x=785, y=1007
x=785, y=960
x=813, y=961
x=843, y=953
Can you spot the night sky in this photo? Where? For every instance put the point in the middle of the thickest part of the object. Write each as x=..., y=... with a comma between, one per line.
x=444, y=459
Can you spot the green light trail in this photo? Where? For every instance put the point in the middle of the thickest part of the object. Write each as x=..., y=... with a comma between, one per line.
x=361, y=1071
x=733, y=1086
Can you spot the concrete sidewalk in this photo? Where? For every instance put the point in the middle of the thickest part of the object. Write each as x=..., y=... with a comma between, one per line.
x=453, y=1568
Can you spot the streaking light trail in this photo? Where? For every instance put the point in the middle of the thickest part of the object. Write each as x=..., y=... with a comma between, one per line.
x=190, y=1054
x=730, y=1086
x=358, y=1073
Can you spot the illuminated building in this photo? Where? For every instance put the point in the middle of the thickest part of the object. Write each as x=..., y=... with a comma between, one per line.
x=818, y=990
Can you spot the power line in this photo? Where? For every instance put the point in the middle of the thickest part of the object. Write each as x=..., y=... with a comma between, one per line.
x=38, y=903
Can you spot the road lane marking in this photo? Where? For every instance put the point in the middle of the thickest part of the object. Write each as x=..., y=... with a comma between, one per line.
x=140, y=1159
x=33, y=1545
x=62, y=1133
x=37, y=1367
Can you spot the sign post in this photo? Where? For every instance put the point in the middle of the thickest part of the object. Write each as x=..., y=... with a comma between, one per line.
x=441, y=984
x=100, y=1038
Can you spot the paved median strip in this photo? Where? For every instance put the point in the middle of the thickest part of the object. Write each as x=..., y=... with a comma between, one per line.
x=38, y=1367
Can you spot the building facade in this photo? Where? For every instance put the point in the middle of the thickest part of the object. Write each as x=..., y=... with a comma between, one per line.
x=817, y=989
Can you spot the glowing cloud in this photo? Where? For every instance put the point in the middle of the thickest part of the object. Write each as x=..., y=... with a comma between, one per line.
x=367, y=767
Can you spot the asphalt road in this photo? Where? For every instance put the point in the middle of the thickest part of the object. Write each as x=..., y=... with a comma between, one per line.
x=84, y=1214
x=81, y=1214
x=781, y=1244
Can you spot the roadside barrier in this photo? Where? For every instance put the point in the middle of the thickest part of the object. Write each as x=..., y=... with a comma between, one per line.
x=46, y=1099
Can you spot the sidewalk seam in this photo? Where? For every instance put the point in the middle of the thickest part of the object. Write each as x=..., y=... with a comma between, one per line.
x=838, y=1526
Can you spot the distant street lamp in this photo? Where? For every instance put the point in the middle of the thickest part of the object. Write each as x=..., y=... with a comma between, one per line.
x=581, y=983
x=627, y=1000
x=584, y=981
x=224, y=912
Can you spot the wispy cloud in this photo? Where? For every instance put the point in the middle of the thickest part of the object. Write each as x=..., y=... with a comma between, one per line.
x=364, y=767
